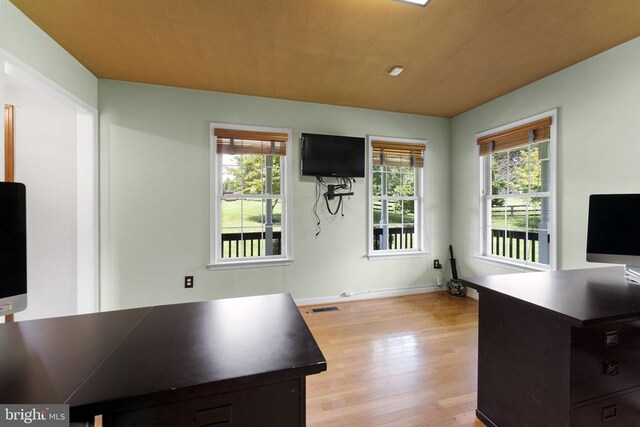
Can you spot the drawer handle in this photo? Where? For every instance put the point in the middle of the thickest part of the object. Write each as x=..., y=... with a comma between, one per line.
x=611, y=367
x=609, y=412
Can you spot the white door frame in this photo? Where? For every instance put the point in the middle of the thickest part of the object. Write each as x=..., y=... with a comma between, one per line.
x=88, y=249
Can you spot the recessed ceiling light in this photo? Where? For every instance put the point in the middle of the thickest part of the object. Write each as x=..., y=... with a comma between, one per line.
x=396, y=71
x=421, y=3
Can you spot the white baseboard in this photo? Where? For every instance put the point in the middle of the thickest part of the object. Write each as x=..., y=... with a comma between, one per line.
x=369, y=295
x=472, y=293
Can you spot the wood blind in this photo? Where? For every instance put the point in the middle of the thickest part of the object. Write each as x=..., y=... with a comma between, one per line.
x=8, y=143
x=515, y=137
x=387, y=153
x=232, y=141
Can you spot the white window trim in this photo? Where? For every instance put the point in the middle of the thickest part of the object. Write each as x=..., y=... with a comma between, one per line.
x=421, y=226
x=218, y=263
x=483, y=175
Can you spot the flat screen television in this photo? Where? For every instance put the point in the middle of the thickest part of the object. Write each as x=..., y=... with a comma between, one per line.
x=613, y=232
x=13, y=248
x=331, y=155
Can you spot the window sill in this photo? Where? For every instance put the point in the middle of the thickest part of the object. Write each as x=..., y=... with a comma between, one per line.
x=511, y=265
x=236, y=265
x=397, y=255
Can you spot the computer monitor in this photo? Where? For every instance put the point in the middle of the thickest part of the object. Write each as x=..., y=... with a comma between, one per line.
x=13, y=248
x=613, y=233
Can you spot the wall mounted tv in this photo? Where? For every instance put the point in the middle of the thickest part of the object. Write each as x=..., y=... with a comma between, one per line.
x=331, y=155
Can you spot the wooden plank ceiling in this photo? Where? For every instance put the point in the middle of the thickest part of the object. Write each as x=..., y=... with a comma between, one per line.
x=457, y=54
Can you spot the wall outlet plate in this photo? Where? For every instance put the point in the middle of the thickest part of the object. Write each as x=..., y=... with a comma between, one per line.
x=188, y=282
x=436, y=264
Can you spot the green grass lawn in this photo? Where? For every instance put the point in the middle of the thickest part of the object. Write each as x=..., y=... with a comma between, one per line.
x=247, y=216
x=233, y=212
x=517, y=221
x=394, y=217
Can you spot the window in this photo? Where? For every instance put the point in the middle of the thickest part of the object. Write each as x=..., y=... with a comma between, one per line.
x=250, y=182
x=396, y=196
x=517, y=192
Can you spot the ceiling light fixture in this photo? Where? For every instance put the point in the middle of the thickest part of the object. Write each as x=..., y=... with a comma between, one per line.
x=421, y=3
x=396, y=71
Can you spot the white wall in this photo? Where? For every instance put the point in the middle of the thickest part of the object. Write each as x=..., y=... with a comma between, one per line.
x=29, y=51
x=155, y=199
x=45, y=161
x=25, y=41
x=598, y=147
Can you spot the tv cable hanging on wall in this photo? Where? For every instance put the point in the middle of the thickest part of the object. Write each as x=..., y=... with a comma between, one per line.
x=331, y=194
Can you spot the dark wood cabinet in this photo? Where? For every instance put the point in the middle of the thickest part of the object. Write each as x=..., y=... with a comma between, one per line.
x=559, y=349
x=237, y=362
x=280, y=404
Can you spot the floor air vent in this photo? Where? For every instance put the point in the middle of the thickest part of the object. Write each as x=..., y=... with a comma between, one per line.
x=323, y=309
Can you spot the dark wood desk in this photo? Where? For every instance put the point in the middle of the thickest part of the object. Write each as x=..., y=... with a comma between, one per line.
x=240, y=361
x=559, y=349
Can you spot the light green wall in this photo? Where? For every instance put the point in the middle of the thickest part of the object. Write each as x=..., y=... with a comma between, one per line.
x=598, y=103
x=21, y=38
x=155, y=198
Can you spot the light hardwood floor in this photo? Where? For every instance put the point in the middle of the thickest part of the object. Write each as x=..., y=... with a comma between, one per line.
x=406, y=361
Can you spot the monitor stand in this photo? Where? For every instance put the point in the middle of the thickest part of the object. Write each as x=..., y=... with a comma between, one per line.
x=632, y=273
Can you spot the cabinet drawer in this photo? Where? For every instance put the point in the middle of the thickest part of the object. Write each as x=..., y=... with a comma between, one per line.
x=622, y=411
x=604, y=360
x=273, y=404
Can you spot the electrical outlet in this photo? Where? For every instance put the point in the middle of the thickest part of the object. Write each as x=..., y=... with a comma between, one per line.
x=188, y=282
x=436, y=264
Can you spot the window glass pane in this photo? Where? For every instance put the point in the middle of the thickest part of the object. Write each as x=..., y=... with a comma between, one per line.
x=377, y=208
x=253, y=173
x=250, y=228
x=408, y=182
x=540, y=176
x=378, y=237
x=516, y=213
x=395, y=211
x=540, y=150
x=518, y=171
x=252, y=242
x=377, y=182
x=276, y=209
x=498, y=214
x=535, y=178
x=408, y=238
x=231, y=180
x=230, y=239
x=545, y=175
x=271, y=175
x=394, y=181
x=230, y=213
x=230, y=160
x=408, y=212
x=499, y=173
x=538, y=230
x=395, y=236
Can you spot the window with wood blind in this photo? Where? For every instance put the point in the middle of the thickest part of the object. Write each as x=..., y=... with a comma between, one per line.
x=396, y=196
x=250, y=195
x=518, y=192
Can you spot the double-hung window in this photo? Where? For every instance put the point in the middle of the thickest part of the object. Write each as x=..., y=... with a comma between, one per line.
x=517, y=192
x=250, y=197
x=396, y=196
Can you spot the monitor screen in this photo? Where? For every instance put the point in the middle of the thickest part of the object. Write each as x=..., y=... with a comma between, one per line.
x=13, y=240
x=330, y=155
x=613, y=233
